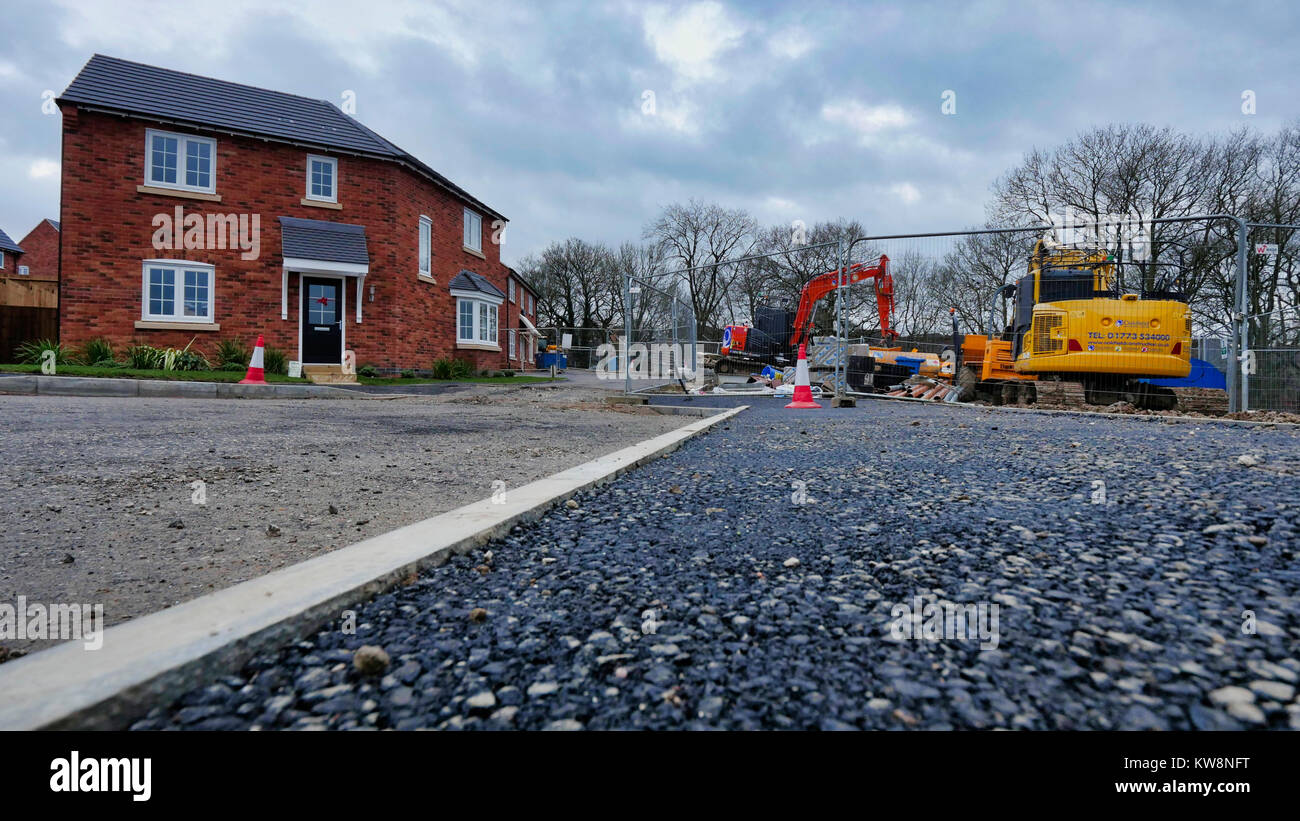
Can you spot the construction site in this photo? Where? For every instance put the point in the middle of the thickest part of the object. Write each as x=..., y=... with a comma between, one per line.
x=1094, y=316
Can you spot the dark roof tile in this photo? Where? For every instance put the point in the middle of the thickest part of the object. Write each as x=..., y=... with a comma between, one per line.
x=324, y=241
x=149, y=91
x=7, y=244
x=470, y=281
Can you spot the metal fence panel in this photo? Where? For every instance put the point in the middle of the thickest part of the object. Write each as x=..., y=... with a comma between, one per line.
x=1270, y=360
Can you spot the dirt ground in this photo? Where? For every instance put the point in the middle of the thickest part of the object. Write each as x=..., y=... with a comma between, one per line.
x=98, y=501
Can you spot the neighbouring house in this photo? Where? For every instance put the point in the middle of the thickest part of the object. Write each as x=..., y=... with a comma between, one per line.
x=10, y=253
x=29, y=288
x=195, y=208
x=41, y=253
x=521, y=321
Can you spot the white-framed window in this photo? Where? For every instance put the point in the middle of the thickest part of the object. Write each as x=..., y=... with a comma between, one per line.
x=473, y=230
x=426, y=246
x=322, y=178
x=181, y=161
x=512, y=343
x=510, y=286
x=23, y=271
x=2, y=260
x=476, y=320
x=177, y=291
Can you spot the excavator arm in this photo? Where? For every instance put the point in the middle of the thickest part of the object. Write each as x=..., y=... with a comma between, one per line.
x=819, y=286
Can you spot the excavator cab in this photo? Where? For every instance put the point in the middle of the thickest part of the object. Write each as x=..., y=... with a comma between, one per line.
x=1070, y=317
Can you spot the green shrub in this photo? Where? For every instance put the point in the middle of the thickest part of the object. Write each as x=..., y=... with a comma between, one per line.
x=507, y=372
x=275, y=361
x=408, y=374
x=97, y=351
x=442, y=368
x=187, y=360
x=184, y=359
x=462, y=369
x=149, y=358
x=144, y=357
x=233, y=355
x=33, y=352
x=369, y=371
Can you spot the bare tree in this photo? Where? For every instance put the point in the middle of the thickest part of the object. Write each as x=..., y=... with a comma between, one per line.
x=699, y=238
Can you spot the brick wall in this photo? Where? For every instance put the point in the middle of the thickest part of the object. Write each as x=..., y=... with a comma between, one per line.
x=41, y=252
x=510, y=321
x=108, y=229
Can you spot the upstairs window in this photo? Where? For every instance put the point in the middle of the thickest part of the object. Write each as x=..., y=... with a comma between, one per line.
x=511, y=288
x=322, y=178
x=176, y=291
x=473, y=231
x=2, y=260
x=180, y=161
x=426, y=246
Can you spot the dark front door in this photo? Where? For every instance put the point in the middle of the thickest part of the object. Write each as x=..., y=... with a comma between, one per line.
x=322, y=321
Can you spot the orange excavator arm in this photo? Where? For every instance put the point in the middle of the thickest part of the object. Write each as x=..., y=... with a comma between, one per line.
x=822, y=284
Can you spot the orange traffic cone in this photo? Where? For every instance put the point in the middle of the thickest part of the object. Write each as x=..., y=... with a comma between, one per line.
x=802, y=386
x=256, y=375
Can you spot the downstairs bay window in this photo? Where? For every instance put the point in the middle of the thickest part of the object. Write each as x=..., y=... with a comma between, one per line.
x=476, y=321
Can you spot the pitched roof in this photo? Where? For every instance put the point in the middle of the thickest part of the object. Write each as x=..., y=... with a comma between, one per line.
x=521, y=280
x=55, y=223
x=324, y=241
x=470, y=281
x=175, y=96
x=7, y=244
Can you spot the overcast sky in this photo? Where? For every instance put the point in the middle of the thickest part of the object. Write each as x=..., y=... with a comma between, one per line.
x=806, y=110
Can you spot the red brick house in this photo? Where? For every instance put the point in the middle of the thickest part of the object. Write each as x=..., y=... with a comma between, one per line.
x=10, y=253
x=29, y=288
x=521, y=321
x=41, y=252
x=195, y=208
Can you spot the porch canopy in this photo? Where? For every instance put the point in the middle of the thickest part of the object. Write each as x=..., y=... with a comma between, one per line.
x=322, y=247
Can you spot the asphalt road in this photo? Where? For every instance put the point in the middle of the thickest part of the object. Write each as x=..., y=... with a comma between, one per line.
x=1117, y=573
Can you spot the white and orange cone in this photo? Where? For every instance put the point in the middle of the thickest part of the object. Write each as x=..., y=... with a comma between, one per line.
x=256, y=373
x=802, y=386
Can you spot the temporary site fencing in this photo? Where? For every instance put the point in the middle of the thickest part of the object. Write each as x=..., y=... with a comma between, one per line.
x=660, y=341
x=1270, y=326
x=1240, y=281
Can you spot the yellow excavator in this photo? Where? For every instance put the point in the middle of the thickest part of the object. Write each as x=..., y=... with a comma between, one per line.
x=1076, y=339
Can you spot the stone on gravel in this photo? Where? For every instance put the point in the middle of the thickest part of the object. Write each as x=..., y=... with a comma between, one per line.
x=370, y=660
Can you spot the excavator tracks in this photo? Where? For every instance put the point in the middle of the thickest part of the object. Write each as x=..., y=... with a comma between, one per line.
x=1063, y=394
x=1054, y=394
x=1209, y=401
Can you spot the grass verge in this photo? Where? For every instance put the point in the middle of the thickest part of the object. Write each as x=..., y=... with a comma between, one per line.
x=136, y=373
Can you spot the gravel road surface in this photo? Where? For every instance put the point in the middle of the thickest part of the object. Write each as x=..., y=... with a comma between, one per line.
x=698, y=592
x=99, y=503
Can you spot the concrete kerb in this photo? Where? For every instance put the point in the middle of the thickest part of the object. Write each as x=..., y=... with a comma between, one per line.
x=156, y=658
x=39, y=385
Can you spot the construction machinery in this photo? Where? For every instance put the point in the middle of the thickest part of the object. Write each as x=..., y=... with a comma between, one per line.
x=776, y=334
x=1076, y=338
